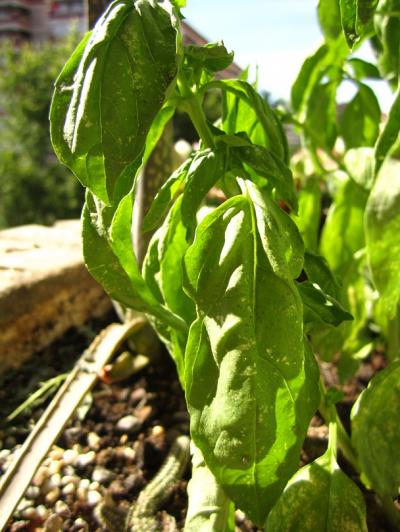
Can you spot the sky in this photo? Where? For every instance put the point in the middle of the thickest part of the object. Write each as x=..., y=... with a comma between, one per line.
x=276, y=35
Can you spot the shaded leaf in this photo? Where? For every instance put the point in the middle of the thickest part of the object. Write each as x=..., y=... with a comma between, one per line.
x=382, y=227
x=320, y=497
x=251, y=384
x=94, y=131
x=320, y=308
x=321, y=115
x=389, y=135
x=265, y=164
x=359, y=124
x=165, y=196
x=343, y=232
x=318, y=272
x=206, y=168
x=375, y=424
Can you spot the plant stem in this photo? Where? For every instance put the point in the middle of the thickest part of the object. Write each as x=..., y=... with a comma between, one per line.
x=192, y=106
x=329, y=413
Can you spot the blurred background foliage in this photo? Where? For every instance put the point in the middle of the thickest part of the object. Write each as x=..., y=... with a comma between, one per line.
x=34, y=187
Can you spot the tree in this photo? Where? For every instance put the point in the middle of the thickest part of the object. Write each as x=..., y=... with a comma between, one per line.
x=34, y=187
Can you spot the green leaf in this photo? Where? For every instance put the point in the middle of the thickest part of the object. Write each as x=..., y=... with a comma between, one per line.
x=265, y=164
x=320, y=308
x=318, y=272
x=279, y=235
x=251, y=384
x=343, y=232
x=102, y=262
x=165, y=196
x=360, y=165
x=357, y=19
x=320, y=497
x=382, y=227
x=109, y=93
x=206, y=168
x=329, y=18
x=309, y=213
x=362, y=69
x=375, y=420
x=172, y=246
x=359, y=124
x=321, y=115
x=212, y=56
x=387, y=41
x=389, y=135
x=246, y=111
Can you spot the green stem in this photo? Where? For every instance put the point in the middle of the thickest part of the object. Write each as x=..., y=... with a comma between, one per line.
x=329, y=413
x=192, y=106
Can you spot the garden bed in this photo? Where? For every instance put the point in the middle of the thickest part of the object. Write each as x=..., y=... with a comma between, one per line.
x=119, y=438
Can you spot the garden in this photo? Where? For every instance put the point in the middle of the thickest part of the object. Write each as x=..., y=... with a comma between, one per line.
x=246, y=376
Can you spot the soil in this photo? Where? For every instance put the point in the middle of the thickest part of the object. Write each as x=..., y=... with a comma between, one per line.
x=107, y=455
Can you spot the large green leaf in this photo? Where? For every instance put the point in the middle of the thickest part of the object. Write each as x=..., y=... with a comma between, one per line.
x=319, y=498
x=343, y=232
x=251, y=384
x=317, y=271
x=360, y=165
x=246, y=111
x=309, y=213
x=389, y=135
x=109, y=93
x=206, y=168
x=357, y=19
x=359, y=124
x=375, y=431
x=382, y=227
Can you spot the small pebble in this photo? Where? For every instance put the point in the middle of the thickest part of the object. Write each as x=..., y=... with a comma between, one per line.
x=53, y=523
x=29, y=513
x=68, y=470
x=158, y=430
x=85, y=459
x=128, y=424
x=80, y=524
x=62, y=509
x=41, y=475
x=68, y=489
x=84, y=483
x=4, y=454
x=123, y=439
x=32, y=492
x=70, y=456
x=66, y=479
x=93, y=497
x=95, y=486
x=102, y=475
x=55, y=467
x=53, y=496
x=42, y=512
x=81, y=493
x=56, y=453
x=93, y=440
x=129, y=454
x=23, y=503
